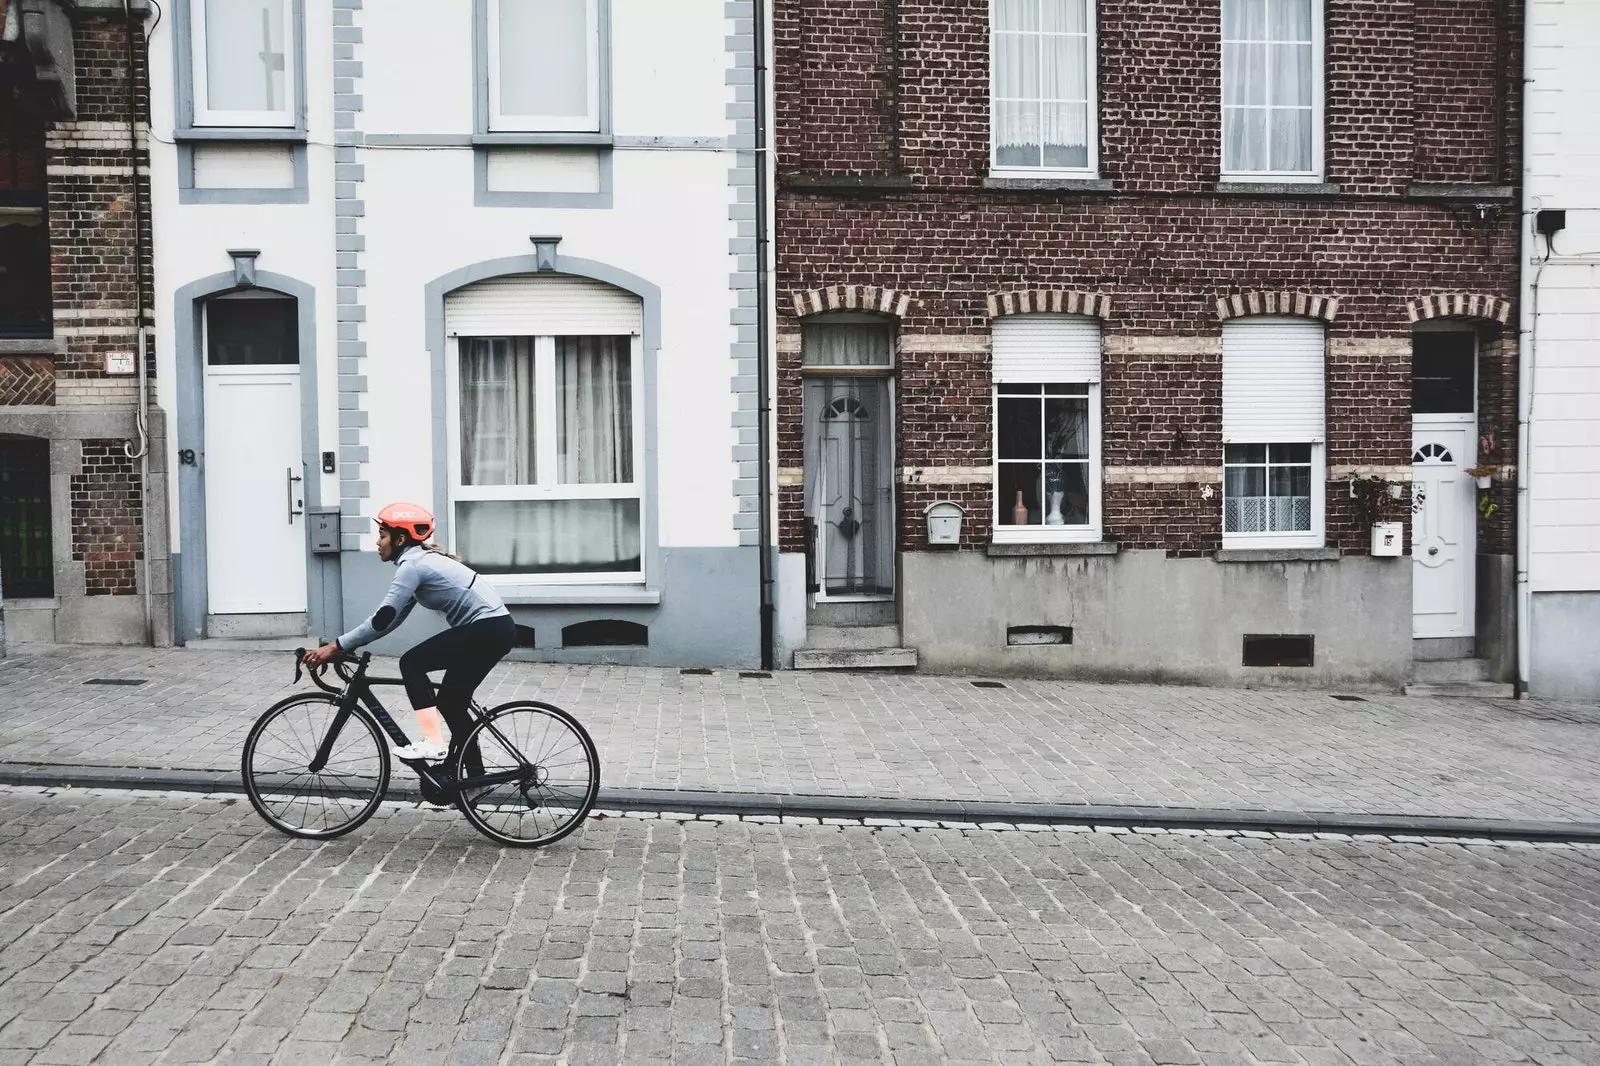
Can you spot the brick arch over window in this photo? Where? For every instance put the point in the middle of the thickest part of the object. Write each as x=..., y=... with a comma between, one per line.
x=1459, y=305
x=1058, y=301
x=852, y=298
x=1304, y=304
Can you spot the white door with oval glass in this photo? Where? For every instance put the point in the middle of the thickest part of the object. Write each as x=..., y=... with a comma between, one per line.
x=1443, y=530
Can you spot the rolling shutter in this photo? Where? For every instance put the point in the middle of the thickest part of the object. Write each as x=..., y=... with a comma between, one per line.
x=528, y=305
x=1272, y=371
x=1046, y=348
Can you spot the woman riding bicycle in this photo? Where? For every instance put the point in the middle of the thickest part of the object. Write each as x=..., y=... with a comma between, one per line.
x=481, y=631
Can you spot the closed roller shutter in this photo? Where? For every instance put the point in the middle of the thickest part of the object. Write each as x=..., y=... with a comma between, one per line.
x=527, y=305
x=1046, y=348
x=1272, y=371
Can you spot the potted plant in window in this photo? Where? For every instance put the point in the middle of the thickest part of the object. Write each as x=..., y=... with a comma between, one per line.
x=1483, y=475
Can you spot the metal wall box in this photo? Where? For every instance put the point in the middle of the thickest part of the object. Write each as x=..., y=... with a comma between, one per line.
x=325, y=530
x=944, y=522
x=1388, y=538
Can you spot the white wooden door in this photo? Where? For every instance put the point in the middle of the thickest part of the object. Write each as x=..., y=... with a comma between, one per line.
x=853, y=489
x=1443, y=527
x=255, y=498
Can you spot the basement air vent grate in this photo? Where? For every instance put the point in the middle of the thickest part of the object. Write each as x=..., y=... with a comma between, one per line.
x=1278, y=649
x=1024, y=636
x=696, y=671
x=525, y=637
x=114, y=681
x=605, y=633
x=988, y=684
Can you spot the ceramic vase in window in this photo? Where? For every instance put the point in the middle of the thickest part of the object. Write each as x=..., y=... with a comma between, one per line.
x=1055, y=481
x=1019, y=511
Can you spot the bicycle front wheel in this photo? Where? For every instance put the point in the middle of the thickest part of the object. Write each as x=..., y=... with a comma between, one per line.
x=291, y=790
x=556, y=768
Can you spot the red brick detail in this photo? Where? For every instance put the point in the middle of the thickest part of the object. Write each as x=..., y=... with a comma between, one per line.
x=1456, y=76
x=27, y=379
x=1305, y=305
x=851, y=298
x=1055, y=301
x=106, y=519
x=1459, y=305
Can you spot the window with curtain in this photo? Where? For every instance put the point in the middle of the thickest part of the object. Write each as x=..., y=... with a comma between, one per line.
x=545, y=471
x=1271, y=87
x=244, y=62
x=544, y=65
x=1043, y=85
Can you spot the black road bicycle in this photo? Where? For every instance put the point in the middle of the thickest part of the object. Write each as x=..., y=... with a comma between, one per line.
x=316, y=765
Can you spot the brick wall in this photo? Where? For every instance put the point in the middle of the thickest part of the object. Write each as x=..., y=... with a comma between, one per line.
x=27, y=379
x=1164, y=246
x=105, y=519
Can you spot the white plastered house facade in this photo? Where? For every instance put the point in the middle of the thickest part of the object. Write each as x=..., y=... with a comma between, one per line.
x=495, y=257
x=1559, y=564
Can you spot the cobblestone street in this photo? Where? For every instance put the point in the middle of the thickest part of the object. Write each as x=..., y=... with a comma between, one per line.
x=887, y=735
x=145, y=927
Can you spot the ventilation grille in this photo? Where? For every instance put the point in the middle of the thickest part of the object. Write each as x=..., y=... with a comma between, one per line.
x=1278, y=649
x=605, y=633
x=1026, y=636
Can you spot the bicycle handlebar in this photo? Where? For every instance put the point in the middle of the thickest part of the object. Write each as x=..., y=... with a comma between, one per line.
x=341, y=667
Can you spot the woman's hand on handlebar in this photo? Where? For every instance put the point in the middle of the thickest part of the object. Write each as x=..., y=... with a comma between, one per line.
x=324, y=655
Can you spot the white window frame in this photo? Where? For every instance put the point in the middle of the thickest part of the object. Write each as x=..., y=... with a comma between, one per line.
x=206, y=116
x=1315, y=537
x=587, y=123
x=1092, y=65
x=1043, y=534
x=546, y=486
x=1318, y=111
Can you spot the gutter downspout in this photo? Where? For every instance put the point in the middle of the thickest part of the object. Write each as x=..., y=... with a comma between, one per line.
x=763, y=346
x=143, y=452
x=1528, y=315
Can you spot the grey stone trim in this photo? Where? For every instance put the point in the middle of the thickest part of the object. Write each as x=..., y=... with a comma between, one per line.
x=1088, y=185
x=1277, y=303
x=1057, y=301
x=1459, y=305
x=230, y=133
x=350, y=279
x=1098, y=547
x=483, y=196
x=742, y=246
x=1470, y=192
x=1278, y=555
x=1310, y=189
x=40, y=346
x=299, y=193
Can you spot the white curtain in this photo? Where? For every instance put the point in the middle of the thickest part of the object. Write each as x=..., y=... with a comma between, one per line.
x=1268, y=101
x=594, y=412
x=548, y=536
x=497, y=411
x=848, y=344
x=544, y=57
x=245, y=55
x=1041, y=83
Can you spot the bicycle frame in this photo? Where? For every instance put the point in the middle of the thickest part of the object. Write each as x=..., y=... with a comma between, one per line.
x=358, y=689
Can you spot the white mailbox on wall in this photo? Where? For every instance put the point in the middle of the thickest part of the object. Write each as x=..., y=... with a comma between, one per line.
x=944, y=522
x=1388, y=538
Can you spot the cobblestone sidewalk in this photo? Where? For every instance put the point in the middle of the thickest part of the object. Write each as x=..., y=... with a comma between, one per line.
x=142, y=927
x=896, y=736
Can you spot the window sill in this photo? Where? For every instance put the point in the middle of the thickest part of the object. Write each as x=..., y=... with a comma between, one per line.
x=576, y=594
x=1467, y=192
x=571, y=139
x=1043, y=184
x=32, y=346
x=1307, y=190
x=1278, y=555
x=849, y=182
x=1004, y=549
x=285, y=134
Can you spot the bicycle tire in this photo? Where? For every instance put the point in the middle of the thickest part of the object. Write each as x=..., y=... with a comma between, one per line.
x=566, y=803
x=348, y=787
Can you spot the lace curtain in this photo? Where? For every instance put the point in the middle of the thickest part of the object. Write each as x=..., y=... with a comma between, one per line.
x=1268, y=101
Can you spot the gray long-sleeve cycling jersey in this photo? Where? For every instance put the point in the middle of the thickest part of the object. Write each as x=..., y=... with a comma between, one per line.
x=436, y=581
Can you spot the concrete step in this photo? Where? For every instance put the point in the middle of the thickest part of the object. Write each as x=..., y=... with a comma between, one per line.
x=1482, y=690
x=1446, y=671
x=855, y=658
x=859, y=638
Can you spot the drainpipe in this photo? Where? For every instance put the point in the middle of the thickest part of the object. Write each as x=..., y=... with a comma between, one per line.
x=763, y=346
x=1528, y=315
x=143, y=418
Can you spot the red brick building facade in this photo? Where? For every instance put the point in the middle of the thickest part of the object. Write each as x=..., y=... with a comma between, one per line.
x=74, y=188
x=900, y=194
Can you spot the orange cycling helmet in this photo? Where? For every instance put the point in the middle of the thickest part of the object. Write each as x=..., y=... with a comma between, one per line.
x=413, y=520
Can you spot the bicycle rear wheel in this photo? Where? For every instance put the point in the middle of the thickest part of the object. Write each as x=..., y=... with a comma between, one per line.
x=558, y=767
x=327, y=802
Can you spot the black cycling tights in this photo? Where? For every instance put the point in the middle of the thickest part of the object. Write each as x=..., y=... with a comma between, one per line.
x=466, y=655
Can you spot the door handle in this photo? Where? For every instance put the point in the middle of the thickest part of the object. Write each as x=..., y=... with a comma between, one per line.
x=289, y=485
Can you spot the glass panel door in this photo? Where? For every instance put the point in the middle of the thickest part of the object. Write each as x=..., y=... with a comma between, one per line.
x=850, y=484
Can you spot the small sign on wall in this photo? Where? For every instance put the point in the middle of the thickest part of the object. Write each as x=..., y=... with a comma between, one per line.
x=119, y=363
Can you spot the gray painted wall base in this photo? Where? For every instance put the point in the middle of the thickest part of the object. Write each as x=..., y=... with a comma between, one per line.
x=709, y=614
x=1497, y=615
x=1139, y=616
x=1564, y=635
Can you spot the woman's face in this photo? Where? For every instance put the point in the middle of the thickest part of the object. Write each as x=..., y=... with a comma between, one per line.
x=385, y=544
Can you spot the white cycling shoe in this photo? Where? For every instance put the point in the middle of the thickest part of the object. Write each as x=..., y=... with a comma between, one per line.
x=423, y=750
